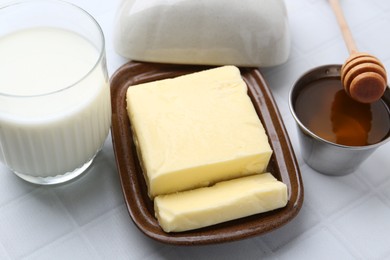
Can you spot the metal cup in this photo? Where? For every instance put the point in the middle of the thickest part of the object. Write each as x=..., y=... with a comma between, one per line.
x=324, y=156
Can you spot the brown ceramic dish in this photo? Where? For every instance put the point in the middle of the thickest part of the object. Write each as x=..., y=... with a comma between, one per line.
x=283, y=164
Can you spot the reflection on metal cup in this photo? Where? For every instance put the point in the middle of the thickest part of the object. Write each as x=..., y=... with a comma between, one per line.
x=320, y=138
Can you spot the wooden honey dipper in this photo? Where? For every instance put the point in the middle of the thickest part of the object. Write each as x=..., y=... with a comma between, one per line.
x=363, y=75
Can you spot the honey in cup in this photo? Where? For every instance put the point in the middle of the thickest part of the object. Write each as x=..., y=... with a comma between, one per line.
x=325, y=109
x=336, y=134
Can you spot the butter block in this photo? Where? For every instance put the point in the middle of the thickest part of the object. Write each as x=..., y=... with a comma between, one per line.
x=195, y=130
x=222, y=202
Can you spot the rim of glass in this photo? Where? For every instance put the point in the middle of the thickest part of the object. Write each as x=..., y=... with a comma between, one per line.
x=75, y=7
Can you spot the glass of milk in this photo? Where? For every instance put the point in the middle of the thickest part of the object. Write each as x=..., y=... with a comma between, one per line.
x=55, y=111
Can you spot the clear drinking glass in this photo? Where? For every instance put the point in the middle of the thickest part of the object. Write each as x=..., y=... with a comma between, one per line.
x=55, y=111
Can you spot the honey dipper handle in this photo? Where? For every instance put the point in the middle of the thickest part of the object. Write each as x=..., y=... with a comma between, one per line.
x=347, y=35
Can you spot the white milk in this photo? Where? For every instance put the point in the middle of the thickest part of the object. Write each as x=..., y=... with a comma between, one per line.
x=51, y=134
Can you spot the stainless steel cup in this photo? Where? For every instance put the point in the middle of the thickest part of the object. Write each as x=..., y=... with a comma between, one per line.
x=321, y=155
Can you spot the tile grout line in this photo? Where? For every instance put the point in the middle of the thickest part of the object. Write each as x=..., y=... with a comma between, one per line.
x=372, y=191
x=80, y=229
x=264, y=247
x=20, y=197
x=326, y=221
x=7, y=255
x=75, y=230
x=375, y=189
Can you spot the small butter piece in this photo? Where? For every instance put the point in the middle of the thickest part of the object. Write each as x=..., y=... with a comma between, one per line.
x=222, y=202
x=195, y=130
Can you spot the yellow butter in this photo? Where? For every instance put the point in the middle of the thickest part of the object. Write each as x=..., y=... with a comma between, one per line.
x=222, y=202
x=196, y=130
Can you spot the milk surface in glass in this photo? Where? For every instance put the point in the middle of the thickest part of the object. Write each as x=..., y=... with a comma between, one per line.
x=55, y=110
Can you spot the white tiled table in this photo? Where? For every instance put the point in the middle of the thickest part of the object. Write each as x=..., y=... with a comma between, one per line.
x=341, y=218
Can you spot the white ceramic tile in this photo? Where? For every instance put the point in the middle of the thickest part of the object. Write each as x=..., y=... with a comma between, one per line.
x=311, y=29
x=386, y=63
x=95, y=193
x=114, y=236
x=306, y=220
x=359, y=12
x=163, y=254
x=382, y=4
x=385, y=193
x=281, y=80
x=368, y=226
x=13, y=186
x=328, y=195
x=319, y=245
x=292, y=131
x=71, y=246
x=376, y=169
x=246, y=249
x=32, y=221
x=294, y=6
x=282, y=104
x=3, y=254
x=369, y=40
x=335, y=52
